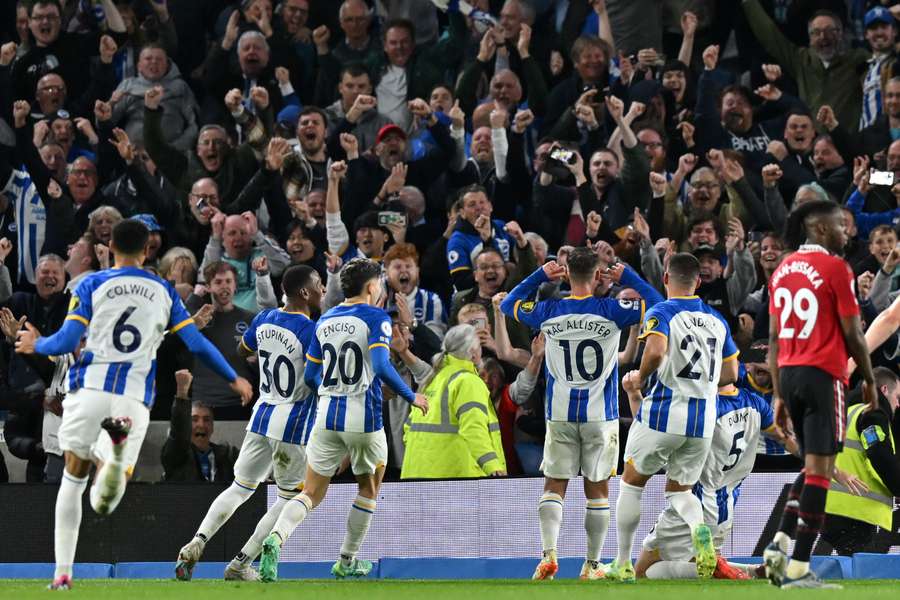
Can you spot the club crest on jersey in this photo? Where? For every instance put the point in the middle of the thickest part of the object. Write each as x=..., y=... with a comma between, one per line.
x=527, y=307
x=651, y=324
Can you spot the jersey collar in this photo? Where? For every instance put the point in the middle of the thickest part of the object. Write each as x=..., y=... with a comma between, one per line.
x=812, y=248
x=294, y=312
x=694, y=297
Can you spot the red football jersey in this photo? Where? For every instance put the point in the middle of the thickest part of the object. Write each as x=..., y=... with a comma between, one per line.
x=809, y=293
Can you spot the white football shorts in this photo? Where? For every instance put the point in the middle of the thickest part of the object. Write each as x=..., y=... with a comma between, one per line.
x=590, y=449
x=326, y=450
x=649, y=451
x=80, y=432
x=261, y=455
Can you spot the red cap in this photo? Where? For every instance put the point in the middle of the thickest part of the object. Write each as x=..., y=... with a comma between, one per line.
x=388, y=129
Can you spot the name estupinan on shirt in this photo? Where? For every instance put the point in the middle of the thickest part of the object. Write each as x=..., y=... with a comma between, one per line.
x=269, y=333
x=802, y=267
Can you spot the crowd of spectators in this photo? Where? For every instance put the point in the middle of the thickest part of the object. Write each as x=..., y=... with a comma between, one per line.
x=461, y=148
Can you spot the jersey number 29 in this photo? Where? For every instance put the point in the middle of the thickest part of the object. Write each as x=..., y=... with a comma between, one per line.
x=803, y=304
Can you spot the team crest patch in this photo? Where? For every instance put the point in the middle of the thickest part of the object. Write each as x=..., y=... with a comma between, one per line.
x=651, y=324
x=452, y=256
x=386, y=328
x=73, y=303
x=627, y=304
x=526, y=307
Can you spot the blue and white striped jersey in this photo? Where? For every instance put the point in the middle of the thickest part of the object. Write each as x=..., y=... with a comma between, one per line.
x=427, y=308
x=350, y=392
x=746, y=382
x=286, y=406
x=31, y=221
x=682, y=393
x=582, y=353
x=127, y=312
x=741, y=417
x=872, y=97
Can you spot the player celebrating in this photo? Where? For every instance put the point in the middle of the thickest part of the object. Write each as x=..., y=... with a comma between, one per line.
x=126, y=312
x=280, y=424
x=815, y=322
x=348, y=358
x=743, y=418
x=688, y=354
x=582, y=354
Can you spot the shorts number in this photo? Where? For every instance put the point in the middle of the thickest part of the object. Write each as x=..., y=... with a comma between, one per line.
x=688, y=371
x=121, y=328
x=803, y=304
x=735, y=451
x=580, y=365
x=273, y=376
x=336, y=360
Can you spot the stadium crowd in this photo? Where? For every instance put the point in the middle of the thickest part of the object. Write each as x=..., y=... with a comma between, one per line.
x=461, y=151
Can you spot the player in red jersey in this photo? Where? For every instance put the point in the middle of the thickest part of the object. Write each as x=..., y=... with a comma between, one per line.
x=814, y=323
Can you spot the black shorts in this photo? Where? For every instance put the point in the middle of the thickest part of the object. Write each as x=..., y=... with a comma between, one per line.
x=816, y=402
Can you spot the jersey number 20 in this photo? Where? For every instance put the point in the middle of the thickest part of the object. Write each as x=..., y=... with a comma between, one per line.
x=336, y=364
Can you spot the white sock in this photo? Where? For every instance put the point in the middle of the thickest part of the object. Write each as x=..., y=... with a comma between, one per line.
x=688, y=507
x=68, y=521
x=253, y=546
x=222, y=508
x=358, y=521
x=797, y=569
x=783, y=541
x=596, y=524
x=628, y=517
x=669, y=569
x=550, y=514
x=109, y=483
x=292, y=515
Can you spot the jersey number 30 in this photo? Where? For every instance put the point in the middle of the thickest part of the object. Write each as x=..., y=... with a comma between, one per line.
x=273, y=374
x=803, y=304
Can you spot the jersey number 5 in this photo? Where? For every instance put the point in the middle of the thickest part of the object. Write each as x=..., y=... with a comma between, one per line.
x=803, y=304
x=735, y=451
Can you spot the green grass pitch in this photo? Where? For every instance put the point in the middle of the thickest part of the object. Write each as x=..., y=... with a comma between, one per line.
x=437, y=590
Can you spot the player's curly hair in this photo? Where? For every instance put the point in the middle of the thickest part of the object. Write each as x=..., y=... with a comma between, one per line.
x=295, y=278
x=582, y=262
x=356, y=274
x=795, y=229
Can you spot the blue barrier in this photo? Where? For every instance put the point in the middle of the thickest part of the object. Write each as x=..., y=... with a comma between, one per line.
x=876, y=566
x=860, y=566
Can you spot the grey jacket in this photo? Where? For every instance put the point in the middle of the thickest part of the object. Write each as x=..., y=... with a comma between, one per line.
x=179, y=118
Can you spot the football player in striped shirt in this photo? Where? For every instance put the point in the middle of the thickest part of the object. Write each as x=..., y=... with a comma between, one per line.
x=743, y=420
x=126, y=311
x=279, y=426
x=582, y=352
x=348, y=359
x=688, y=354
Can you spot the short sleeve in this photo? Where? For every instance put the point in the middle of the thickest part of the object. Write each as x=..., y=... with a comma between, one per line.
x=530, y=312
x=380, y=329
x=308, y=334
x=656, y=322
x=80, y=306
x=457, y=255
x=625, y=313
x=248, y=340
x=842, y=283
x=314, y=350
x=178, y=316
x=766, y=415
x=729, y=348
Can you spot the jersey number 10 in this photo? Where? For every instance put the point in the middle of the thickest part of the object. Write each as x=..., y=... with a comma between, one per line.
x=803, y=304
x=580, y=349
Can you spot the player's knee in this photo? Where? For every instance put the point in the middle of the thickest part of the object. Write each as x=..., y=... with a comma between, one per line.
x=596, y=489
x=556, y=486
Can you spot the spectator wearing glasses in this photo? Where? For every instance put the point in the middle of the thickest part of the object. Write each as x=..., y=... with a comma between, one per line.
x=358, y=44
x=63, y=52
x=825, y=73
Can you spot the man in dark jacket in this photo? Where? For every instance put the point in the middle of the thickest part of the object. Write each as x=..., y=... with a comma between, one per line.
x=188, y=454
